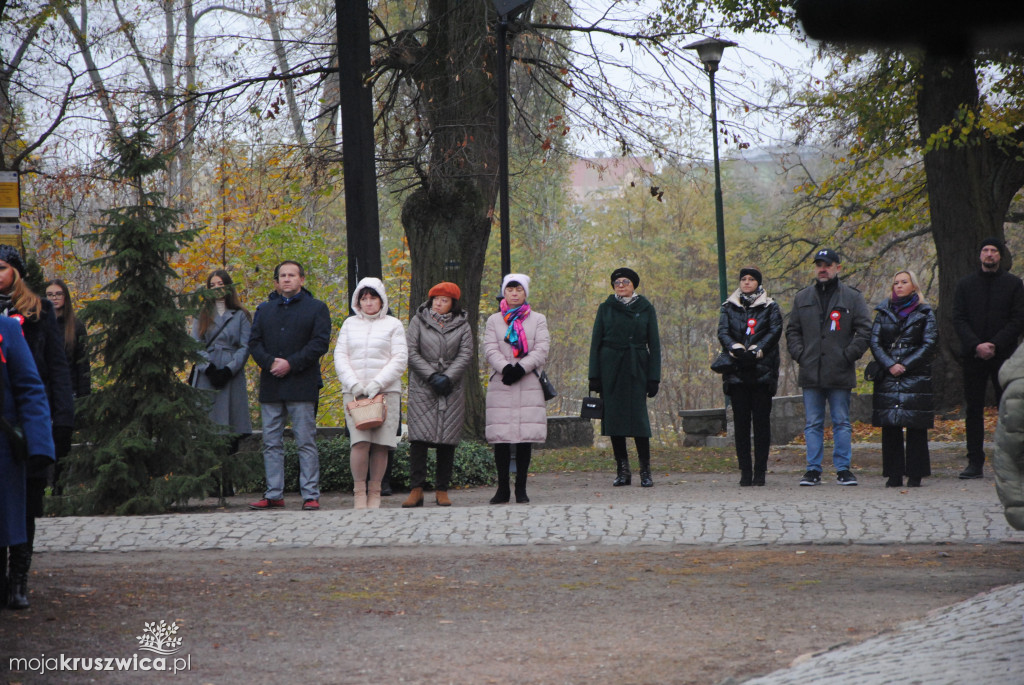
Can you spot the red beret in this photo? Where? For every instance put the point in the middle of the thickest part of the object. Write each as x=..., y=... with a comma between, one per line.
x=446, y=289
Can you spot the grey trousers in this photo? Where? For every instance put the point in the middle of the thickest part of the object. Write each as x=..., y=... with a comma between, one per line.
x=303, y=416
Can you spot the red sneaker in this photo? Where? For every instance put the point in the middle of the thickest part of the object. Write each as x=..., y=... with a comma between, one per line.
x=311, y=505
x=267, y=504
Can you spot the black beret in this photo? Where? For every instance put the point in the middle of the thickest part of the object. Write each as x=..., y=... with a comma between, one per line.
x=624, y=272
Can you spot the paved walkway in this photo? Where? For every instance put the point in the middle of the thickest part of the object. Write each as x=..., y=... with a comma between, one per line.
x=977, y=641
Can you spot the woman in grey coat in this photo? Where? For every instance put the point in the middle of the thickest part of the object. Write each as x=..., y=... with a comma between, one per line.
x=223, y=329
x=440, y=348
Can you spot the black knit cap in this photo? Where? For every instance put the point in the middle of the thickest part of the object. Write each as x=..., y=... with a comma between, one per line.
x=624, y=272
x=10, y=254
x=751, y=271
x=996, y=243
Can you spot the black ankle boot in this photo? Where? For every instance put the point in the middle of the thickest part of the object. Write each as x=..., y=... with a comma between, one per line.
x=746, y=479
x=758, y=478
x=17, y=582
x=623, y=476
x=645, y=474
x=503, y=495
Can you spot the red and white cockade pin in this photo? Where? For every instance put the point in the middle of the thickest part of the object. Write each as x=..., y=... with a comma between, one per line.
x=750, y=326
x=835, y=319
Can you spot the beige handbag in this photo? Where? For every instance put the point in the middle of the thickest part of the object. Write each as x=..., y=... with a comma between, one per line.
x=368, y=413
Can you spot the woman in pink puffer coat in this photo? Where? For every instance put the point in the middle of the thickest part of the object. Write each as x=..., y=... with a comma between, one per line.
x=516, y=343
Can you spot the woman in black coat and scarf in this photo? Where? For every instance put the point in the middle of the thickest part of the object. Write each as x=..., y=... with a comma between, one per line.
x=903, y=340
x=749, y=328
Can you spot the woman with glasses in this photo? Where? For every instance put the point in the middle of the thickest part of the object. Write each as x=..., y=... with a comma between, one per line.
x=625, y=368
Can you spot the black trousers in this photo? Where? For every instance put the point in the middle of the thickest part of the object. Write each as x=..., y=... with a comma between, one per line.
x=977, y=374
x=752, y=405
x=911, y=459
x=418, y=465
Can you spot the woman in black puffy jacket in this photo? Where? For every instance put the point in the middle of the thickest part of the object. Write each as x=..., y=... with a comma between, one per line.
x=903, y=340
x=749, y=328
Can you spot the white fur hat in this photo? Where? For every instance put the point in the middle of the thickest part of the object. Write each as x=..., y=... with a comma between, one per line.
x=521, y=279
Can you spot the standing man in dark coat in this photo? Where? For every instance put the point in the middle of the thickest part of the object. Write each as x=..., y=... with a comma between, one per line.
x=625, y=367
x=290, y=332
x=988, y=314
x=828, y=331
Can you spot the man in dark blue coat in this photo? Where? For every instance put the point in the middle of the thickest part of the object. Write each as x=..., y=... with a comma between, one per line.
x=988, y=315
x=290, y=332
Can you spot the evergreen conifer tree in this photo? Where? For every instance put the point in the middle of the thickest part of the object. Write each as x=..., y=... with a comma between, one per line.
x=148, y=440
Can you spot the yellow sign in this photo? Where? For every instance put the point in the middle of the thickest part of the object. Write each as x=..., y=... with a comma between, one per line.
x=8, y=194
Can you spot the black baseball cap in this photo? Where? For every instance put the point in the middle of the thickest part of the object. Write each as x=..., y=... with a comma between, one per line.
x=827, y=255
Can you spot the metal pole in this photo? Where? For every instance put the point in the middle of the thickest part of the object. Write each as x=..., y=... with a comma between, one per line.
x=506, y=245
x=719, y=213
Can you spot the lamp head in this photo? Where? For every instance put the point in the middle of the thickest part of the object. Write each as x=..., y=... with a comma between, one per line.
x=710, y=51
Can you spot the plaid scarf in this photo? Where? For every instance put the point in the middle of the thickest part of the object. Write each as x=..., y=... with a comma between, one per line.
x=442, y=319
x=902, y=307
x=515, y=335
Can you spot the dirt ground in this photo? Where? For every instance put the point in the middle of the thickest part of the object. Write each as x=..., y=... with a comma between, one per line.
x=470, y=615
x=535, y=614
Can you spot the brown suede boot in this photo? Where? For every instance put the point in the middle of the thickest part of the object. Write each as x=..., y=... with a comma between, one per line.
x=373, y=496
x=415, y=499
x=441, y=496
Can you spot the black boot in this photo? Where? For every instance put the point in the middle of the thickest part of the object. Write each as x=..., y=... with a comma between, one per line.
x=623, y=476
x=522, y=469
x=643, y=451
x=746, y=479
x=760, y=467
x=622, y=473
x=502, y=457
x=17, y=583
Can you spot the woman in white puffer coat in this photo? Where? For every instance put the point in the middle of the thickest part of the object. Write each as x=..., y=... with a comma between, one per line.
x=370, y=358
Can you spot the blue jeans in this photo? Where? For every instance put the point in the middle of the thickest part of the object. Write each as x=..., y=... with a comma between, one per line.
x=303, y=415
x=814, y=429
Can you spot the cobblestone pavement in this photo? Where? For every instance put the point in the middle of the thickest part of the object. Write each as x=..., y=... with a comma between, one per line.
x=977, y=641
x=700, y=510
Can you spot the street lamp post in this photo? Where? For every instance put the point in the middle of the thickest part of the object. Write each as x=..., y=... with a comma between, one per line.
x=710, y=52
x=506, y=10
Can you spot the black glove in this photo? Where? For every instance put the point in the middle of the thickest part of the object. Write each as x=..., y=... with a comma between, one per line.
x=595, y=385
x=62, y=440
x=440, y=383
x=516, y=373
x=507, y=373
x=652, y=388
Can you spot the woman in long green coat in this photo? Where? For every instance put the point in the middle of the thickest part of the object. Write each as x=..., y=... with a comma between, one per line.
x=625, y=367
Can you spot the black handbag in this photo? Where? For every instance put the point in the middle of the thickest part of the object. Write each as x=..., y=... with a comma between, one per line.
x=724, y=363
x=592, y=408
x=546, y=385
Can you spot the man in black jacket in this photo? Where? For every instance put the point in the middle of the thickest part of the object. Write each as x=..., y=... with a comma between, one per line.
x=988, y=314
x=290, y=332
x=828, y=331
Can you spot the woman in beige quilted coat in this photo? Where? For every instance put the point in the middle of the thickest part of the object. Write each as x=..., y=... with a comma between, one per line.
x=516, y=343
x=440, y=343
